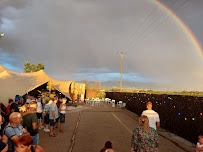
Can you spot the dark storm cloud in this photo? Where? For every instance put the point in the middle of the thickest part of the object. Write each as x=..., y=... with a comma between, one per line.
x=80, y=38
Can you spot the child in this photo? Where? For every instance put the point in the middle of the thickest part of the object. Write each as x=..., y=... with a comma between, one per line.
x=199, y=146
x=107, y=147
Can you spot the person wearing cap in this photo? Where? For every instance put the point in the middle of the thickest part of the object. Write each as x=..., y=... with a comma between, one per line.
x=20, y=102
x=14, y=105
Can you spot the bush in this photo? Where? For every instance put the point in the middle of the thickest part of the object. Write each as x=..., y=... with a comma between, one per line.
x=74, y=105
x=101, y=95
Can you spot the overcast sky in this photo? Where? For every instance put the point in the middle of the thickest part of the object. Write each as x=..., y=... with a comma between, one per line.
x=79, y=39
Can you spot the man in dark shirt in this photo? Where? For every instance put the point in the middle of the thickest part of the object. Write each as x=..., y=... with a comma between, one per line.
x=14, y=106
x=31, y=123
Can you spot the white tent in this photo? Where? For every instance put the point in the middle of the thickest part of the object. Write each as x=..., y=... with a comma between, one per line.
x=13, y=83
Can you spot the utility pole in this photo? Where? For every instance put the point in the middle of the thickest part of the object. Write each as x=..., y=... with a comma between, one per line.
x=121, y=54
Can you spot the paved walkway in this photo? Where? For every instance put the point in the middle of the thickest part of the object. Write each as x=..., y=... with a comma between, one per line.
x=97, y=125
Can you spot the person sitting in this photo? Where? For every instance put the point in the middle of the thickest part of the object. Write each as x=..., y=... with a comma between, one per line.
x=107, y=147
x=14, y=129
x=144, y=138
x=24, y=144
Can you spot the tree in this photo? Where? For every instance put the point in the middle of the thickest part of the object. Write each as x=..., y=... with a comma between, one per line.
x=87, y=84
x=40, y=66
x=27, y=67
x=33, y=68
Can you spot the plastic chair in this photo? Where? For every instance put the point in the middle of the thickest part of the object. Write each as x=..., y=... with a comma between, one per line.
x=119, y=104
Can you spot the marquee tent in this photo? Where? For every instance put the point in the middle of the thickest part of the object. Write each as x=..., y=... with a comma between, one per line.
x=13, y=83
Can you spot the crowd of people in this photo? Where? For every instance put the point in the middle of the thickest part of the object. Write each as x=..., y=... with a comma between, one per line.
x=21, y=120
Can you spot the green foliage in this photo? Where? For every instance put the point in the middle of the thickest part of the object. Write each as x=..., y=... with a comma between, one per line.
x=101, y=95
x=40, y=66
x=32, y=68
x=74, y=105
x=27, y=68
x=115, y=90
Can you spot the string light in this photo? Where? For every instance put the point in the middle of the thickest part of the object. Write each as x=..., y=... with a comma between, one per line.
x=179, y=113
x=185, y=118
x=193, y=118
x=164, y=101
x=200, y=114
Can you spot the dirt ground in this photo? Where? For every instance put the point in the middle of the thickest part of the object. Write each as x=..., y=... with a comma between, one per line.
x=101, y=123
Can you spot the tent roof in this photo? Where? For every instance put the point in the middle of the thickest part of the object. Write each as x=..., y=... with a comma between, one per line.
x=12, y=83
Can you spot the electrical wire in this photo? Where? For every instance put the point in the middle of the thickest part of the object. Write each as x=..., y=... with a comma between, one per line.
x=173, y=13
x=155, y=21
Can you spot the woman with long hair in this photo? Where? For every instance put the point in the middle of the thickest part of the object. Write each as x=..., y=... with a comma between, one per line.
x=144, y=138
x=107, y=147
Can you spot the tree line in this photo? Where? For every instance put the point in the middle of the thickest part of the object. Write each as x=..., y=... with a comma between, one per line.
x=32, y=67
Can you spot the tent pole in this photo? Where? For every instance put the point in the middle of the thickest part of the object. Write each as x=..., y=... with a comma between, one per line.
x=50, y=88
x=74, y=93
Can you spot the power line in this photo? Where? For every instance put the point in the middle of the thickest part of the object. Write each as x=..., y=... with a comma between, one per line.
x=173, y=13
x=141, y=25
x=155, y=21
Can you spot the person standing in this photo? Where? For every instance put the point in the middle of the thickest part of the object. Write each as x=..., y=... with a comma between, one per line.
x=39, y=111
x=153, y=116
x=14, y=129
x=8, y=112
x=46, y=116
x=144, y=138
x=14, y=106
x=62, y=111
x=53, y=115
x=30, y=121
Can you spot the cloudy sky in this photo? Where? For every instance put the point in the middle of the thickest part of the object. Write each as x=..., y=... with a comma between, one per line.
x=79, y=39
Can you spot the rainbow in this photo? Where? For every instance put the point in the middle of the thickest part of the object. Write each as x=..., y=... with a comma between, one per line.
x=182, y=24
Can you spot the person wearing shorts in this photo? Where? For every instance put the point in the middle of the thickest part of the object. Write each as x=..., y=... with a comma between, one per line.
x=53, y=115
x=46, y=116
x=62, y=110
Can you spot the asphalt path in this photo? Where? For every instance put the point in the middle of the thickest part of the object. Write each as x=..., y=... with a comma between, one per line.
x=97, y=125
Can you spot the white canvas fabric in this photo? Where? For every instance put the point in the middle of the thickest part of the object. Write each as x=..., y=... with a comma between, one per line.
x=13, y=83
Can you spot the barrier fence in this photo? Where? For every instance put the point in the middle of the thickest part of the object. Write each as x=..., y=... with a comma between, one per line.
x=181, y=115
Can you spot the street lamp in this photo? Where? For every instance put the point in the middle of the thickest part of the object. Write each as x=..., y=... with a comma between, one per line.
x=1, y=35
